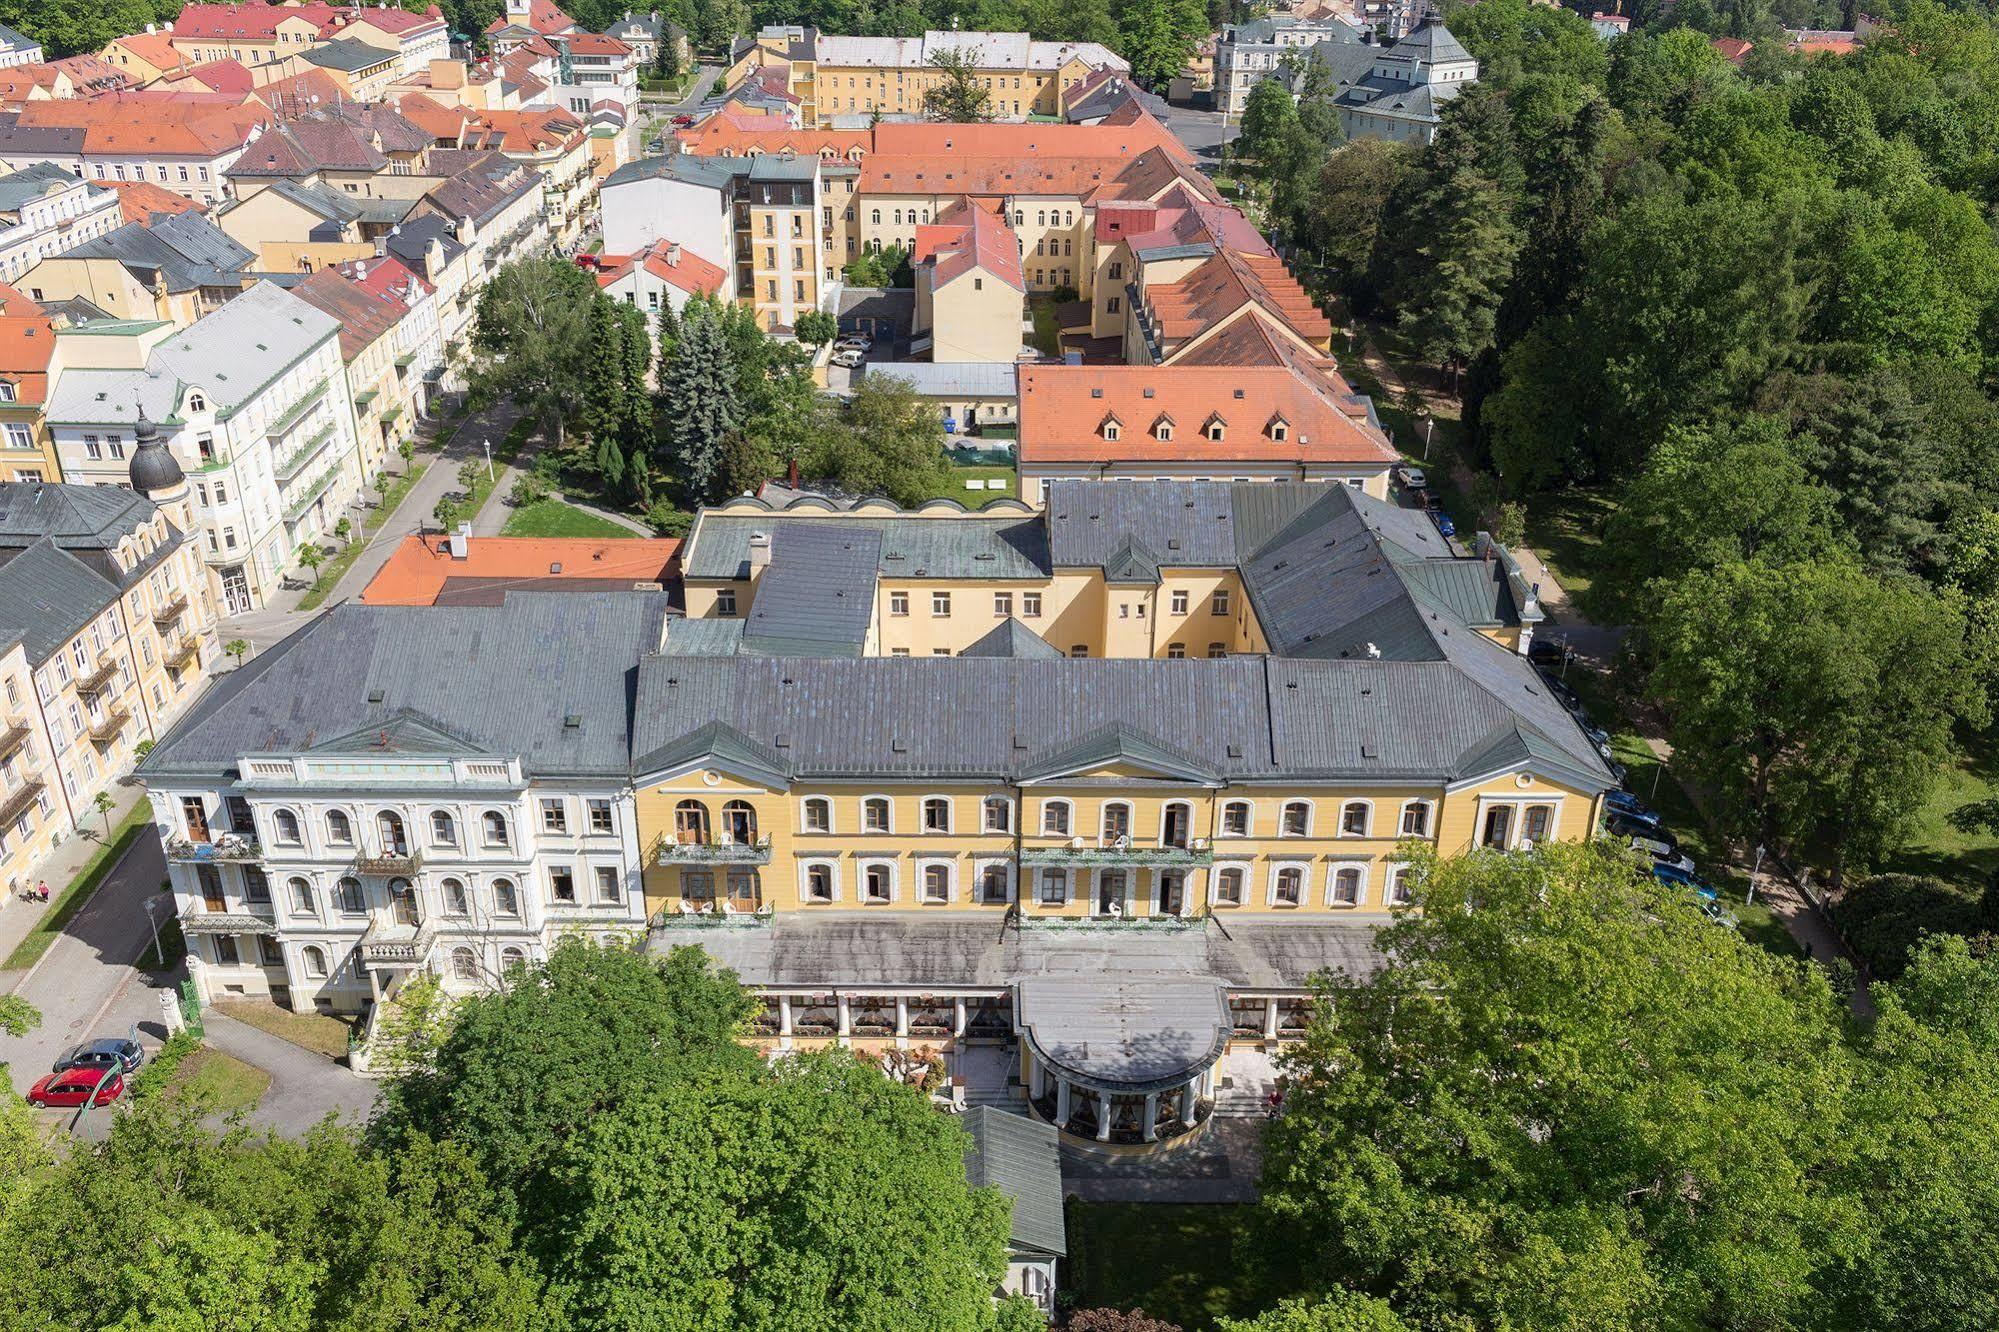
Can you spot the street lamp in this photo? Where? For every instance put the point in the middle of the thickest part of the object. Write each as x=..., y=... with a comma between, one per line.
x=1749, y=898
x=1423, y=415
x=152, y=919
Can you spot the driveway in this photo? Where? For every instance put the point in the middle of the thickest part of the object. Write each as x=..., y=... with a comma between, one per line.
x=306, y=1086
x=1204, y=132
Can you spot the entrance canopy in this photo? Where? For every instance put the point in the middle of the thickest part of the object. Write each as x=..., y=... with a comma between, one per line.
x=1125, y=1033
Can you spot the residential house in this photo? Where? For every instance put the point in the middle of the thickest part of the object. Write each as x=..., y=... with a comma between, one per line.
x=1397, y=92
x=298, y=228
x=642, y=32
x=251, y=401
x=45, y=210
x=360, y=149
x=663, y=273
x=16, y=49
x=146, y=57
x=461, y=570
x=109, y=636
x=419, y=333
x=553, y=143
x=971, y=296
x=174, y=268
x=429, y=246
x=362, y=71
x=380, y=382
x=138, y=200
x=1270, y=47
x=416, y=38
x=186, y=143
x=27, y=351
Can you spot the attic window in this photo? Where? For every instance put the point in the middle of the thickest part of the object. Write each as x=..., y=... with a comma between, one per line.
x=1280, y=429
x=1095, y=393
x=1148, y=392
x=1110, y=429
x=1162, y=429
x=1216, y=428
x=374, y=696
x=573, y=721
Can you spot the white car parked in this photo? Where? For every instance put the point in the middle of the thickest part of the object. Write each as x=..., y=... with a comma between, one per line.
x=848, y=357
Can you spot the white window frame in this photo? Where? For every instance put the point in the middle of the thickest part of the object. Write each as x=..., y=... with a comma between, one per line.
x=1516, y=829
x=985, y=805
x=1398, y=871
x=1333, y=871
x=1429, y=808
x=1068, y=885
x=805, y=868
x=1069, y=816
x=1248, y=823
x=1130, y=820
x=1277, y=867
x=889, y=801
x=861, y=868
x=1005, y=866
x=1367, y=824
x=923, y=814
x=1214, y=884
x=924, y=864
x=804, y=818
x=1311, y=819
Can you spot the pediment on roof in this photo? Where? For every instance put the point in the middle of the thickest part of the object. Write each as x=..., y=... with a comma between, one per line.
x=1125, y=750
x=405, y=731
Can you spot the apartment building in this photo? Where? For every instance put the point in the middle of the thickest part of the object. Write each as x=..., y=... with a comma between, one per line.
x=45, y=210
x=1117, y=862
x=362, y=70
x=16, y=49
x=664, y=273
x=414, y=810
x=109, y=635
x=1271, y=47
x=595, y=68
x=850, y=80
x=185, y=143
x=429, y=247
x=251, y=401
x=172, y=268
x=380, y=382
x=27, y=352
x=1397, y=92
x=419, y=334
x=1293, y=422
x=970, y=293
x=265, y=37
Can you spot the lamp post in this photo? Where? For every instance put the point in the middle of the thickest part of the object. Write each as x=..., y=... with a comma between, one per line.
x=1423, y=415
x=152, y=919
x=1749, y=897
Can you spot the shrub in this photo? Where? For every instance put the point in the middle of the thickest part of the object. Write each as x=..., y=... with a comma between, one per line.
x=528, y=489
x=667, y=520
x=1884, y=917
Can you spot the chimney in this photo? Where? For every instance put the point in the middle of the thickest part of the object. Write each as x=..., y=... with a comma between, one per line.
x=459, y=540
x=759, y=553
x=673, y=254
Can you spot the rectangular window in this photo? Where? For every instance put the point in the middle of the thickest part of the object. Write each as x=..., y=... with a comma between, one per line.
x=554, y=816
x=1180, y=602
x=1003, y=604
x=898, y=603
x=610, y=887
x=562, y=885
x=1030, y=604
x=600, y=816
x=940, y=604
x=725, y=601
x=1220, y=605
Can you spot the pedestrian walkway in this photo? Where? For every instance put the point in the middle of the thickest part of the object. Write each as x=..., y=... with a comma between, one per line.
x=18, y=917
x=306, y=1087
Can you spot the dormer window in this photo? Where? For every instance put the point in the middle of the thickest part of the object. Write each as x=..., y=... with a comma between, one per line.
x=8, y=393
x=1216, y=428
x=1162, y=429
x=1110, y=427
x=196, y=403
x=1280, y=429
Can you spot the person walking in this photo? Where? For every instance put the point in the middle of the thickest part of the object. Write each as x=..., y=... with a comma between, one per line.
x=42, y=891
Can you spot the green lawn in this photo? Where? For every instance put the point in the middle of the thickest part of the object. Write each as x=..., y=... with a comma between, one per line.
x=555, y=518
x=69, y=900
x=1047, y=335
x=310, y=1031
x=1935, y=847
x=1176, y=1261
x=1565, y=527
x=224, y=1082
x=954, y=487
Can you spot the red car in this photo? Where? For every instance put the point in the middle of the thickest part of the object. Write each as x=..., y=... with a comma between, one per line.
x=682, y=122
x=73, y=1088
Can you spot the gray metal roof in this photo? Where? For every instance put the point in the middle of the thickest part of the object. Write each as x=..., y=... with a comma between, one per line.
x=713, y=172
x=186, y=249
x=1022, y=1158
x=1120, y=1030
x=817, y=597
x=1012, y=546
x=1011, y=638
x=86, y=521
x=46, y=596
x=505, y=676
x=346, y=54
x=32, y=182
x=952, y=379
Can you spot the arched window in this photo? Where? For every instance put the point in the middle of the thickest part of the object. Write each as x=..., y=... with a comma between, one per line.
x=690, y=822
x=302, y=901
x=402, y=902
x=739, y=823
x=818, y=814
x=1176, y=824
x=1228, y=886
x=493, y=827
x=1236, y=818
x=1054, y=818
x=1346, y=886
x=1216, y=651
x=898, y=217
x=994, y=885
x=455, y=902
x=936, y=814
x=997, y=812
x=1399, y=893
x=339, y=828
x=1534, y=827
x=313, y=959
x=284, y=824
x=936, y=883
x=443, y=828
x=819, y=883
x=389, y=826
x=1416, y=819
x=1353, y=819
x=1296, y=820
x=511, y=958
x=1289, y=889
x=875, y=815
x=464, y=964
x=506, y=899
x=877, y=883
x=1116, y=825
x=348, y=893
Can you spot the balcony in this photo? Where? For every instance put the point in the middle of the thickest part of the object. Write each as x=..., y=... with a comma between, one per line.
x=95, y=682
x=18, y=800
x=14, y=735
x=226, y=922
x=295, y=511
x=295, y=413
x=302, y=456
x=188, y=652
x=104, y=731
x=226, y=847
x=670, y=852
x=1120, y=853
x=391, y=942
x=175, y=607
x=401, y=864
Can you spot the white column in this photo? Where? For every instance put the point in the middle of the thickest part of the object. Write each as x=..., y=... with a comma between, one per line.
x=846, y=1027
x=784, y=1016
x=901, y=1021
x=1103, y=1116
x=1190, y=1105
x=1037, y=1078
x=1062, y=1103
x=1270, y=1019
x=958, y=1016
x=1151, y=1115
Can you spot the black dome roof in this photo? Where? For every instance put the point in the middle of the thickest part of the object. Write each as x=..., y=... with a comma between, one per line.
x=153, y=466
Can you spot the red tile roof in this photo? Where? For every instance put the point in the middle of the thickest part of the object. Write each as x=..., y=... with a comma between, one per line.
x=383, y=276
x=155, y=48
x=230, y=76
x=595, y=43
x=1732, y=48
x=364, y=316
x=138, y=200
x=543, y=16
x=1226, y=283
x=1063, y=409
x=964, y=238
x=246, y=22
x=417, y=573
x=688, y=271
x=733, y=132
x=145, y=124
x=27, y=340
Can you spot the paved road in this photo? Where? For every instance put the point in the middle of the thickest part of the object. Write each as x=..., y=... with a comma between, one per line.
x=690, y=104
x=86, y=984
x=1202, y=131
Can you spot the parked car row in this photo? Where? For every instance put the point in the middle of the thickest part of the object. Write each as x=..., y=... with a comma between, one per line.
x=1626, y=816
x=94, y=1071
x=1413, y=480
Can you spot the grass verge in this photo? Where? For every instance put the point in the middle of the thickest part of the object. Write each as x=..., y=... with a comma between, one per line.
x=309, y=1031
x=1966, y=856
x=555, y=518
x=333, y=570
x=483, y=485
x=137, y=823
x=222, y=1083
x=954, y=486
x=1176, y=1261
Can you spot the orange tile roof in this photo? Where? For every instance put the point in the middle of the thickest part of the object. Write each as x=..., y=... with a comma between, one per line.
x=733, y=132
x=1732, y=48
x=231, y=76
x=147, y=123
x=1034, y=139
x=964, y=238
x=27, y=340
x=542, y=16
x=1226, y=283
x=691, y=273
x=595, y=43
x=155, y=48
x=1063, y=410
x=138, y=200
x=418, y=571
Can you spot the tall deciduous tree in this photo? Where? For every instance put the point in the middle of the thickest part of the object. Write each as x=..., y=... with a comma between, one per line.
x=534, y=337
x=887, y=441
x=957, y=94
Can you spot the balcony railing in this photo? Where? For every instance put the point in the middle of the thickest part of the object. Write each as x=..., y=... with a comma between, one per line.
x=188, y=651
x=295, y=413
x=95, y=682
x=225, y=847
x=14, y=736
x=400, y=863
x=173, y=609
x=19, y=799
x=670, y=852
x=395, y=943
x=102, y=732
x=1117, y=854
x=226, y=922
